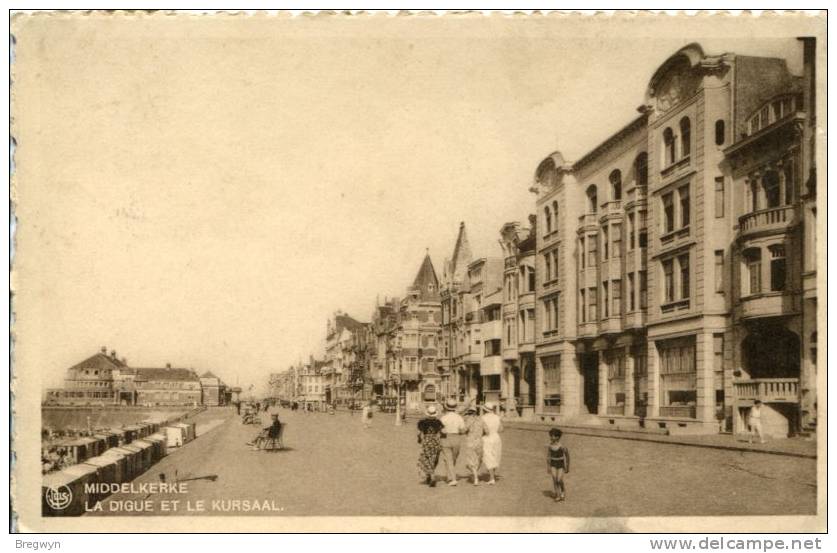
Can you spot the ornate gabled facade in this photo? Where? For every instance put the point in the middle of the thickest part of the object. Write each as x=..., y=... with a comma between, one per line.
x=518, y=317
x=672, y=257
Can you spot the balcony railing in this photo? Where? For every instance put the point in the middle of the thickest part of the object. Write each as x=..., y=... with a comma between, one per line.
x=766, y=218
x=682, y=411
x=768, y=390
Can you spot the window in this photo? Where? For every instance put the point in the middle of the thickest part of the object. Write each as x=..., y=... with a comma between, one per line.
x=616, y=237
x=551, y=382
x=789, y=183
x=668, y=212
x=770, y=183
x=547, y=312
x=531, y=278
x=641, y=169
x=631, y=292
x=617, y=298
x=685, y=280
x=719, y=271
x=720, y=132
x=592, y=199
x=555, y=214
x=718, y=366
x=605, y=301
x=685, y=206
x=643, y=290
x=582, y=306
x=615, y=361
x=668, y=281
x=492, y=347
x=668, y=147
x=547, y=258
x=752, y=260
x=778, y=268
x=591, y=302
x=642, y=239
x=631, y=232
x=582, y=252
x=616, y=185
x=593, y=244
x=605, y=243
x=547, y=219
x=678, y=377
x=685, y=137
x=555, y=319
x=719, y=197
x=754, y=195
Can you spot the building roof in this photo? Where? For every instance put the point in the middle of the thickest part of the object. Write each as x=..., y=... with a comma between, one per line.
x=426, y=281
x=164, y=374
x=100, y=361
x=458, y=263
x=208, y=374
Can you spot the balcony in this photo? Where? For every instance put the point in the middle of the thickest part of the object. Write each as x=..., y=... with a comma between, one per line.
x=492, y=330
x=613, y=207
x=678, y=411
x=491, y=365
x=768, y=390
x=773, y=219
x=588, y=220
x=769, y=304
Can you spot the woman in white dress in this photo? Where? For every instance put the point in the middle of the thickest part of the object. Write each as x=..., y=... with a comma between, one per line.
x=492, y=445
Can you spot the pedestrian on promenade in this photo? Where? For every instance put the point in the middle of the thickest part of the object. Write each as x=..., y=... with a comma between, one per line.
x=492, y=445
x=429, y=434
x=558, y=463
x=755, y=422
x=472, y=444
x=454, y=427
x=366, y=415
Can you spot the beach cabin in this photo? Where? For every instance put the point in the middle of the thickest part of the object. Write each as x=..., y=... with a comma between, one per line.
x=160, y=441
x=80, y=449
x=133, y=455
x=108, y=468
x=131, y=433
x=175, y=435
x=189, y=430
x=111, y=438
x=147, y=452
x=120, y=461
x=63, y=492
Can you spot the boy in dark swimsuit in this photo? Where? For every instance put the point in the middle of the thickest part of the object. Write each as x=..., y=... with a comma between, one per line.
x=558, y=463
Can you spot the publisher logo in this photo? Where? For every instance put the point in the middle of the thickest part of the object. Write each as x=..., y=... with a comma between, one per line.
x=59, y=498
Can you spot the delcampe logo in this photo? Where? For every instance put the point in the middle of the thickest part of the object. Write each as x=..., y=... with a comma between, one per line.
x=59, y=498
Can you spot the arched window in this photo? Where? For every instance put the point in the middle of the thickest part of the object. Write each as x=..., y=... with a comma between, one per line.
x=685, y=137
x=752, y=262
x=668, y=147
x=641, y=169
x=720, y=132
x=548, y=219
x=592, y=199
x=555, y=214
x=789, y=184
x=616, y=184
x=778, y=267
x=770, y=183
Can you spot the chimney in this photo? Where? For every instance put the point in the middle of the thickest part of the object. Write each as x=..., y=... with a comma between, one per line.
x=104, y=350
x=113, y=353
x=124, y=360
x=168, y=365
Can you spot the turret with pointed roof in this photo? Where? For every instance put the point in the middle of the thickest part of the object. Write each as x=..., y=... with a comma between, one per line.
x=457, y=266
x=426, y=283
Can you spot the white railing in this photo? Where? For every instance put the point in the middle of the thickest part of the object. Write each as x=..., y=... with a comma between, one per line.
x=768, y=390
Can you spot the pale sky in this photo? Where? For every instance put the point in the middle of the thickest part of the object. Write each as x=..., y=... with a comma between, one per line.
x=206, y=193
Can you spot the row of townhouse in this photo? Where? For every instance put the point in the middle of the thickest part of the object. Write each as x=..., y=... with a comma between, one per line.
x=106, y=380
x=667, y=280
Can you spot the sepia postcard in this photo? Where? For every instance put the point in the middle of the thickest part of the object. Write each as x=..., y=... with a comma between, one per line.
x=431, y=272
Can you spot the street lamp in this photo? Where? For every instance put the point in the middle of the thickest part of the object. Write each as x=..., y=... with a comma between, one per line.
x=396, y=380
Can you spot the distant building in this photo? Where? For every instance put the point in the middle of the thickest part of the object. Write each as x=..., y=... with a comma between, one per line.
x=213, y=389
x=104, y=379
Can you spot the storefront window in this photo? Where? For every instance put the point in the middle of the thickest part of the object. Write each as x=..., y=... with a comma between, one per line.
x=678, y=377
